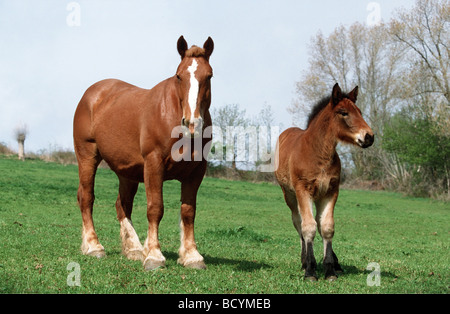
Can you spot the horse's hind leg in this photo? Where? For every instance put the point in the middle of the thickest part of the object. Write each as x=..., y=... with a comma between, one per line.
x=88, y=161
x=131, y=246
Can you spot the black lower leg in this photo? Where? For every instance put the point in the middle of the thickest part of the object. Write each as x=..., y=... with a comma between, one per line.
x=310, y=271
x=303, y=253
x=329, y=262
x=337, y=266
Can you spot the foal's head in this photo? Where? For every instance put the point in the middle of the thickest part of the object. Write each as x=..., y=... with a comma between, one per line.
x=345, y=117
x=351, y=126
x=194, y=83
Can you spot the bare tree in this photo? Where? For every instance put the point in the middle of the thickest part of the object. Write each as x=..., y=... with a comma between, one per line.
x=227, y=118
x=424, y=34
x=425, y=31
x=20, y=134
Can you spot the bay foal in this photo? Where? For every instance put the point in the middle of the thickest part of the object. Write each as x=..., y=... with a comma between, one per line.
x=133, y=129
x=308, y=171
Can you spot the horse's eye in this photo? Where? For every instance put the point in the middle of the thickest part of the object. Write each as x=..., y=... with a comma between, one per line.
x=178, y=77
x=343, y=113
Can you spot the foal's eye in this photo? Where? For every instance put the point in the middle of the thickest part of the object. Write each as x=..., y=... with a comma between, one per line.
x=178, y=77
x=343, y=113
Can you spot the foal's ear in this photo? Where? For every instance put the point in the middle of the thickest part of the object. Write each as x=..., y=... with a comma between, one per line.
x=353, y=94
x=336, y=95
x=182, y=46
x=209, y=47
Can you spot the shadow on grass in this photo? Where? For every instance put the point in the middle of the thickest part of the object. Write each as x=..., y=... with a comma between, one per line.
x=353, y=270
x=250, y=266
x=241, y=265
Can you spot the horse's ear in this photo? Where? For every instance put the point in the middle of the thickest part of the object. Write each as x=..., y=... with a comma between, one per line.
x=209, y=47
x=336, y=95
x=353, y=95
x=182, y=46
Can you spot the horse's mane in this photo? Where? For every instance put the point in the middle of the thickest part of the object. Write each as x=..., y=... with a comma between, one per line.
x=319, y=106
x=195, y=52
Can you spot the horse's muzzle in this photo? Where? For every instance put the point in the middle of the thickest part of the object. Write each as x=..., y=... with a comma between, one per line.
x=368, y=140
x=192, y=128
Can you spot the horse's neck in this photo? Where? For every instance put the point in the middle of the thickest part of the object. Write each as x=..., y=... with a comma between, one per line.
x=165, y=95
x=321, y=136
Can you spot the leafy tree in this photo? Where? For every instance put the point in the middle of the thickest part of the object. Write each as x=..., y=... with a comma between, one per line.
x=412, y=139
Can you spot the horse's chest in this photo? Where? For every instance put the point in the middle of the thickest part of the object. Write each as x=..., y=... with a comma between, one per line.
x=321, y=184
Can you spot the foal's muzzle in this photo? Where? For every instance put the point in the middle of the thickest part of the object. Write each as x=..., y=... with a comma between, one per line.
x=192, y=128
x=367, y=141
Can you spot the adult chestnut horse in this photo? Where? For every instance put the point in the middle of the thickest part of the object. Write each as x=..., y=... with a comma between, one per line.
x=132, y=130
x=309, y=171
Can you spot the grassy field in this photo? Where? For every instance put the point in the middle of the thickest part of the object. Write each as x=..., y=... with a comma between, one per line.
x=243, y=230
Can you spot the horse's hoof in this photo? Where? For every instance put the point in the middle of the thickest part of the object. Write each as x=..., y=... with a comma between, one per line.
x=310, y=278
x=135, y=255
x=97, y=253
x=151, y=264
x=196, y=265
x=331, y=278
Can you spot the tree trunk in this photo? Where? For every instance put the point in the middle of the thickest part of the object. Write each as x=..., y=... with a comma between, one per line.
x=21, y=150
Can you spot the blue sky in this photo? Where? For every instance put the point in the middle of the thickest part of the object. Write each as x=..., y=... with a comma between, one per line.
x=261, y=48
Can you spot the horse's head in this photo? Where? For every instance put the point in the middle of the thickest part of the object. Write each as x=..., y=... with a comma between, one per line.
x=351, y=126
x=194, y=84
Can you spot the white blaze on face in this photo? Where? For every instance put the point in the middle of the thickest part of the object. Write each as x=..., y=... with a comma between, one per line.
x=193, y=89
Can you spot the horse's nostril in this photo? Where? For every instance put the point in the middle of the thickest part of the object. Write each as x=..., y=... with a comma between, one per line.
x=368, y=140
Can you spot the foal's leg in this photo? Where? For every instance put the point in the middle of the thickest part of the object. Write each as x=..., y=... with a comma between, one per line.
x=291, y=201
x=189, y=256
x=88, y=161
x=308, y=229
x=325, y=222
x=153, y=179
x=131, y=246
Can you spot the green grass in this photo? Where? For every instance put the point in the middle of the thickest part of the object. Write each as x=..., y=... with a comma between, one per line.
x=243, y=230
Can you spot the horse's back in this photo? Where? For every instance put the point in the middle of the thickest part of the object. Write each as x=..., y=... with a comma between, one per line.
x=108, y=115
x=105, y=93
x=286, y=145
x=288, y=138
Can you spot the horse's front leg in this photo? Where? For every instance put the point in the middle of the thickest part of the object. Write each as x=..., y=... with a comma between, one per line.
x=325, y=224
x=308, y=232
x=153, y=179
x=188, y=254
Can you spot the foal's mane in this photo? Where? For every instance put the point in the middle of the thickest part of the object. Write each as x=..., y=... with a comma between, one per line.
x=195, y=52
x=319, y=106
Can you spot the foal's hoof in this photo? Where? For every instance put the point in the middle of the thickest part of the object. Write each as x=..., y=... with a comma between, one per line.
x=135, y=255
x=196, y=265
x=151, y=264
x=310, y=278
x=331, y=278
x=98, y=254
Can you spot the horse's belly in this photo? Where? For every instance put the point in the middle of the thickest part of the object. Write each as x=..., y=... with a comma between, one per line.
x=127, y=165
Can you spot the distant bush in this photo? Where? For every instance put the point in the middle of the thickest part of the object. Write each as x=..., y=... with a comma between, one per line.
x=5, y=150
x=224, y=172
x=56, y=154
